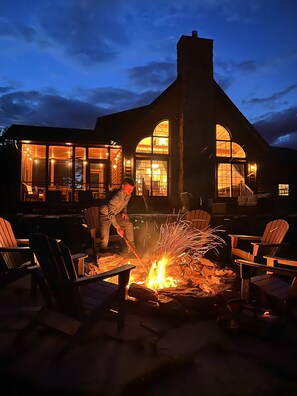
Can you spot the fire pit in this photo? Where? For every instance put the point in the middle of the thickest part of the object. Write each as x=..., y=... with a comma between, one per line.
x=176, y=273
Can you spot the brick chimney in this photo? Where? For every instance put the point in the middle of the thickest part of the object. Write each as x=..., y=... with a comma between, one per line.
x=197, y=126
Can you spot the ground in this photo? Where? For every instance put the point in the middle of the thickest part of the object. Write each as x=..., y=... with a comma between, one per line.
x=155, y=355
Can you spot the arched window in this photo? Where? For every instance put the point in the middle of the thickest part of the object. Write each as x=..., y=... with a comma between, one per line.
x=152, y=158
x=231, y=160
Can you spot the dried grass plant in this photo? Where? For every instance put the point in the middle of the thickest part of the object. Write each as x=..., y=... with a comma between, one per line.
x=181, y=238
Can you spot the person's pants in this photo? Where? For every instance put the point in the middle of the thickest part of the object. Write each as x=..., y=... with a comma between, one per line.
x=105, y=230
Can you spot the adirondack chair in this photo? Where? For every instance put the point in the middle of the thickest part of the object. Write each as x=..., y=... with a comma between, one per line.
x=277, y=282
x=16, y=258
x=268, y=244
x=72, y=304
x=200, y=218
x=91, y=222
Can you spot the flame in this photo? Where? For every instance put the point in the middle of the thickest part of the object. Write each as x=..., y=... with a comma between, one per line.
x=157, y=278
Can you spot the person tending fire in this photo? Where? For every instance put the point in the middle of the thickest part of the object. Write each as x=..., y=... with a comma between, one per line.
x=114, y=212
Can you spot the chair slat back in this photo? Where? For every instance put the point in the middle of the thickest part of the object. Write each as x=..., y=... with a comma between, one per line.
x=275, y=232
x=91, y=216
x=7, y=239
x=58, y=270
x=200, y=218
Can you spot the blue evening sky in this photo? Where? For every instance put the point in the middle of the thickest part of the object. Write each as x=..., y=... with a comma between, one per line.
x=64, y=63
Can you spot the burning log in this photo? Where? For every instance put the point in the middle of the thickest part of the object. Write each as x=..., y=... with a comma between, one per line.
x=142, y=293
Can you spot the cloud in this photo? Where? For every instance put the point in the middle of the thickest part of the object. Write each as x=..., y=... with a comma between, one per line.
x=36, y=108
x=279, y=128
x=273, y=100
x=153, y=74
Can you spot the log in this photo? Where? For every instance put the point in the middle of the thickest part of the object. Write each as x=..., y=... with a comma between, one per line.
x=142, y=293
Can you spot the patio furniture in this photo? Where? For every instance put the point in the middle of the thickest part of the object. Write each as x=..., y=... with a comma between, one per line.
x=91, y=222
x=72, y=304
x=16, y=258
x=30, y=195
x=268, y=244
x=199, y=218
x=276, y=285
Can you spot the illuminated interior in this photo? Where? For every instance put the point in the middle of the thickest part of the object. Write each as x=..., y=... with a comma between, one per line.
x=152, y=157
x=283, y=189
x=69, y=169
x=231, y=163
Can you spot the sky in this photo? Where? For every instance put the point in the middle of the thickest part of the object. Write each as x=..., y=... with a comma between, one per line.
x=64, y=63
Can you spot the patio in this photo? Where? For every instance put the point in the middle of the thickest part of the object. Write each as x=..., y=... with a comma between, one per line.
x=161, y=351
x=156, y=354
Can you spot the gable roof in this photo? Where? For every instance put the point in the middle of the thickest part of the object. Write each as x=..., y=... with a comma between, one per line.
x=51, y=134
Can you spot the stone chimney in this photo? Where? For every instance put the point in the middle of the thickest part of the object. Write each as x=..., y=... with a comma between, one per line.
x=197, y=127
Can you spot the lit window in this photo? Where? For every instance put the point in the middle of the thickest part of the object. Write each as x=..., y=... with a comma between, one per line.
x=230, y=165
x=283, y=189
x=150, y=168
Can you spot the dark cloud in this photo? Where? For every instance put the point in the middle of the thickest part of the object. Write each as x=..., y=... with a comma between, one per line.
x=273, y=100
x=279, y=128
x=35, y=108
x=153, y=74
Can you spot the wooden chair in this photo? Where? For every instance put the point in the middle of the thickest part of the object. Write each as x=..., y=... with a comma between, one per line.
x=267, y=244
x=72, y=304
x=30, y=195
x=200, y=218
x=273, y=283
x=16, y=258
x=91, y=222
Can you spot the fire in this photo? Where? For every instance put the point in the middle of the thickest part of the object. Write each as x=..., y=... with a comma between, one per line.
x=157, y=278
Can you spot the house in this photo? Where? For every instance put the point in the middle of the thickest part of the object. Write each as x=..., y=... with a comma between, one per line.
x=190, y=139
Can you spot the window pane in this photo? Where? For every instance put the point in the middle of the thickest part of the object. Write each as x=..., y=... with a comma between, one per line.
x=237, y=151
x=283, y=189
x=223, y=149
x=222, y=133
x=98, y=153
x=33, y=164
x=159, y=178
x=144, y=146
x=143, y=171
x=80, y=168
x=60, y=166
x=162, y=129
x=224, y=180
x=115, y=167
x=237, y=175
x=160, y=145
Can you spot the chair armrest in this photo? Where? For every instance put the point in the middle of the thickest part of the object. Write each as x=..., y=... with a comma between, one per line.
x=22, y=241
x=272, y=260
x=246, y=237
x=15, y=249
x=265, y=268
x=78, y=256
x=79, y=261
x=264, y=244
x=107, y=274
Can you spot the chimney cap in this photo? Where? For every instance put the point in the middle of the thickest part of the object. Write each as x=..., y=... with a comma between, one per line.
x=194, y=33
